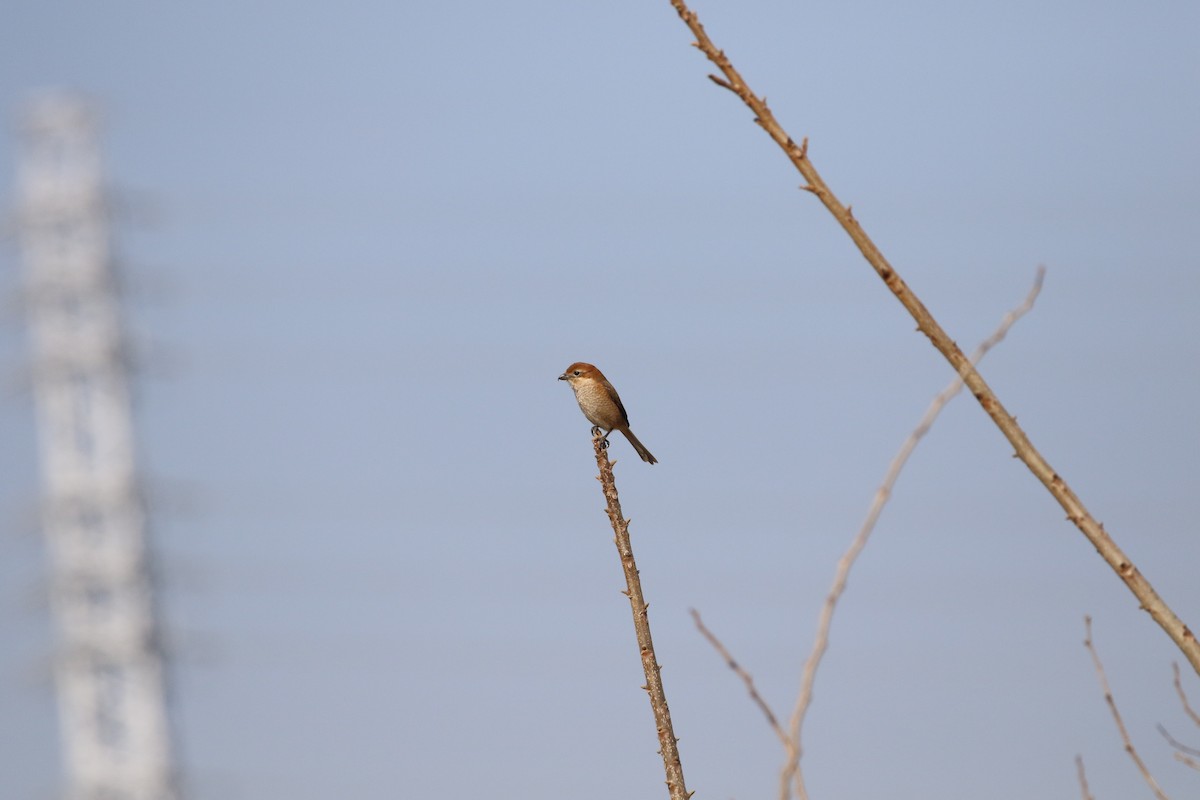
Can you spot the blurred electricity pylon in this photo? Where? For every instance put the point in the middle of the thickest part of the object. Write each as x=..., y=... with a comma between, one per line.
x=109, y=671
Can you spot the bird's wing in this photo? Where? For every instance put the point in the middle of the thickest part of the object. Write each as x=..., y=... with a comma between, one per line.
x=617, y=399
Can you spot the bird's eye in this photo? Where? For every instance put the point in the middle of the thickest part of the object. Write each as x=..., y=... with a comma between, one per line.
x=576, y=372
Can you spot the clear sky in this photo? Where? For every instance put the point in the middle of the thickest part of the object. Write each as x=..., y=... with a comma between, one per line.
x=361, y=245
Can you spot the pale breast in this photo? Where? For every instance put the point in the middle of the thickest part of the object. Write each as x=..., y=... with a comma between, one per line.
x=597, y=406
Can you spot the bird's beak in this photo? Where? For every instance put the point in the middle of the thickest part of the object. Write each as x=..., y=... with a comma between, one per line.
x=562, y=377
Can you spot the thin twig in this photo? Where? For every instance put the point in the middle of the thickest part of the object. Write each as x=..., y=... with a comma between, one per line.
x=791, y=770
x=1178, y=745
x=1187, y=707
x=1112, y=705
x=1187, y=762
x=668, y=744
x=1083, y=784
x=746, y=679
x=1076, y=512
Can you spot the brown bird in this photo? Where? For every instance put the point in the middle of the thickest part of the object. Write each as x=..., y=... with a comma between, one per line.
x=601, y=404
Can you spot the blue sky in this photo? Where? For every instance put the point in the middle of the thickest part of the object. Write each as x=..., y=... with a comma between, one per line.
x=362, y=243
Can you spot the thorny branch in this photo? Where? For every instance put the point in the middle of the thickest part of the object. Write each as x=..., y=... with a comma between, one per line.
x=1076, y=512
x=668, y=744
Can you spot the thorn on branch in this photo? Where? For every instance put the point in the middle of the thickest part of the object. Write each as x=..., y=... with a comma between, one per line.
x=722, y=83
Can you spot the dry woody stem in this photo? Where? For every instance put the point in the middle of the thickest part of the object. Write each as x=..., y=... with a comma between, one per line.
x=1112, y=706
x=791, y=739
x=791, y=770
x=1083, y=784
x=1076, y=512
x=1187, y=707
x=668, y=744
x=747, y=679
x=1183, y=753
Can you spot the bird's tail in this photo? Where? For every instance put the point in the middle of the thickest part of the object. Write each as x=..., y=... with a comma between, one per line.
x=646, y=455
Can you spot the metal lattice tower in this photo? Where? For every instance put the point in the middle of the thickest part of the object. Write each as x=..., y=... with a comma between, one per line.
x=109, y=673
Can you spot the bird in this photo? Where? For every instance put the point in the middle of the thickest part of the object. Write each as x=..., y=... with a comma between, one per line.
x=601, y=404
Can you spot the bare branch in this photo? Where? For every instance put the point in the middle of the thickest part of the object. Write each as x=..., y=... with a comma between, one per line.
x=1112, y=705
x=791, y=770
x=1083, y=784
x=1178, y=745
x=668, y=744
x=1183, y=697
x=746, y=679
x=1187, y=762
x=1076, y=512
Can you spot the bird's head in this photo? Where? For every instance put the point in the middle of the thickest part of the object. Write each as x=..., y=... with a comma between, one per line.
x=579, y=371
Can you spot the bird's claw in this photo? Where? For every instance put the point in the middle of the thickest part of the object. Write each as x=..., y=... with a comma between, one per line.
x=596, y=432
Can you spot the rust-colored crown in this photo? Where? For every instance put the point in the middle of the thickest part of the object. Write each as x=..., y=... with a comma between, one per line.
x=585, y=369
